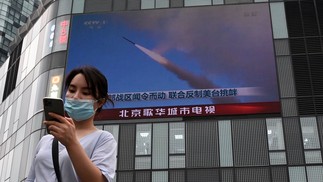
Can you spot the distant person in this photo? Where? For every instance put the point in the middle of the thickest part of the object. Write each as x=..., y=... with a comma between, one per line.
x=86, y=153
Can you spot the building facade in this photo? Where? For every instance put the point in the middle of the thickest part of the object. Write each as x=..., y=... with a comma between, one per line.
x=13, y=15
x=245, y=146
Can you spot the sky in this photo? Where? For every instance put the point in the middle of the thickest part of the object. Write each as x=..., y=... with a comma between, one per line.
x=204, y=47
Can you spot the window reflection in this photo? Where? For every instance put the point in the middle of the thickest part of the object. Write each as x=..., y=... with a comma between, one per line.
x=176, y=138
x=275, y=134
x=143, y=139
x=310, y=133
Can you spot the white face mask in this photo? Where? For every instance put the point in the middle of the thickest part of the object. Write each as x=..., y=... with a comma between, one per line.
x=79, y=109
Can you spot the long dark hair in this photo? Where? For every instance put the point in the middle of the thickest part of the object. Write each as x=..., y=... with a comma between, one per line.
x=96, y=81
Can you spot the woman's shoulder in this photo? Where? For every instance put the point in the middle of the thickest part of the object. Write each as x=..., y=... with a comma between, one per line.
x=105, y=135
x=44, y=141
x=46, y=138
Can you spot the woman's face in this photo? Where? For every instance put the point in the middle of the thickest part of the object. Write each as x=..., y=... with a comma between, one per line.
x=78, y=88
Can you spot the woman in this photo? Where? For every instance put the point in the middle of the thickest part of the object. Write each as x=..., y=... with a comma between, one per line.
x=85, y=153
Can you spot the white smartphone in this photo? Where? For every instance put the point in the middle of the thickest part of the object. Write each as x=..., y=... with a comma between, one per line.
x=54, y=105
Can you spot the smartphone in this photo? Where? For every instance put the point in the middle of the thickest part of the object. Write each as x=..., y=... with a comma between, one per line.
x=54, y=105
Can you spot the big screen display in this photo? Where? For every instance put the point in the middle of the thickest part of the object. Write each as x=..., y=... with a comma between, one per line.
x=197, y=61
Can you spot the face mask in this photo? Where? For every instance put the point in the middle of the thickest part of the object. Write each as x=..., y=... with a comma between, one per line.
x=79, y=109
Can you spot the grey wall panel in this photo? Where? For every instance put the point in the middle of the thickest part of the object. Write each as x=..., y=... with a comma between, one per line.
x=253, y=174
x=250, y=145
x=126, y=146
x=58, y=59
x=25, y=102
x=125, y=176
x=24, y=157
x=176, y=3
x=202, y=144
x=97, y=5
x=227, y=175
x=285, y=76
x=294, y=142
x=119, y=5
x=133, y=4
x=306, y=105
x=279, y=174
x=289, y=107
x=44, y=64
x=202, y=175
x=177, y=176
x=141, y=176
x=281, y=47
x=52, y=11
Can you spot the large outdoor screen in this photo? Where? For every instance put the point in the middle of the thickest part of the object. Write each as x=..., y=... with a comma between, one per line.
x=197, y=61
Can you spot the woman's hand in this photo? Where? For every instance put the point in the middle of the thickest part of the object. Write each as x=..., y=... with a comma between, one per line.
x=64, y=130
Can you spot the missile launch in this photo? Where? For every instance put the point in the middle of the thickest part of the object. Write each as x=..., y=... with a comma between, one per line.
x=156, y=57
x=195, y=81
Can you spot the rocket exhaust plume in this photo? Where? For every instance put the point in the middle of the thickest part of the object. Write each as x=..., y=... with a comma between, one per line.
x=195, y=81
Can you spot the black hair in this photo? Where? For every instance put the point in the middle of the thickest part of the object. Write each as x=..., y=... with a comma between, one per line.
x=96, y=81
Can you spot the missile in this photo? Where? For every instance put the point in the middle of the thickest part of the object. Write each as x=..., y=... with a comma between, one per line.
x=129, y=40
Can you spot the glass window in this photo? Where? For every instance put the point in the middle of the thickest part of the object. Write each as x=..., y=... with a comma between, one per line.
x=176, y=138
x=314, y=173
x=162, y=3
x=277, y=158
x=312, y=157
x=64, y=8
x=177, y=161
x=215, y=2
x=278, y=20
x=297, y=174
x=237, y=1
x=197, y=2
x=142, y=163
x=159, y=176
x=143, y=139
x=78, y=6
x=147, y=4
x=160, y=146
x=225, y=142
x=310, y=133
x=275, y=134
